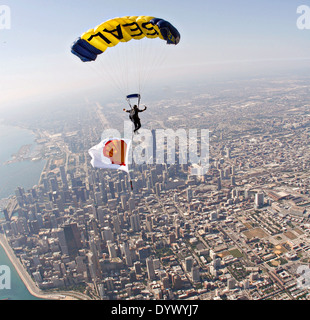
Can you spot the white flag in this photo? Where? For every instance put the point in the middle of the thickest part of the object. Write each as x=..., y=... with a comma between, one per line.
x=111, y=154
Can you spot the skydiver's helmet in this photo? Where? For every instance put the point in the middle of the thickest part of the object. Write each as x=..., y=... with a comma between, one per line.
x=135, y=107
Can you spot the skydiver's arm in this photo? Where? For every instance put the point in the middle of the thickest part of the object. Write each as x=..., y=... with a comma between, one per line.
x=126, y=110
x=145, y=107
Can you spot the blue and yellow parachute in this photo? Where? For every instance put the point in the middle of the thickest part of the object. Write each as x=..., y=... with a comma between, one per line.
x=110, y=33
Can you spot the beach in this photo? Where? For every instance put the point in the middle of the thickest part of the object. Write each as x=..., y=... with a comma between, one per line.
x=30, y=284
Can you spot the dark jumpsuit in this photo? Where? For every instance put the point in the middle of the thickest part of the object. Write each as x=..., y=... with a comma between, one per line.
x=134, y=117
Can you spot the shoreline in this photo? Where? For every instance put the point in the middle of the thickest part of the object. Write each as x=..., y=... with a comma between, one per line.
x=29, y=283
x=23, y=274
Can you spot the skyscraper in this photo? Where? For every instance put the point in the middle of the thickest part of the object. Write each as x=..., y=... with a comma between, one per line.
x=259, y=200
x=108, y=234
x=73, y=239
x=135, y=222
x=137, y=266
x=189, y=194
x=127, y=254
x=63, y=177
x=231, y=283
x=195, y=274
x=111, y=249
x=149, y=223
x=54, y=184
x=150, y=268
x=219, y=184
x=111, y=187
x=60, y=235
x=233, y=180
x=157, y=189
x=188, y=264
x=131, y=204
x=124, y=202
x=116, y=225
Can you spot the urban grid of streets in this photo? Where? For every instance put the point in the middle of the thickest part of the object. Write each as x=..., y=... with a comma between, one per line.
x=241, y=231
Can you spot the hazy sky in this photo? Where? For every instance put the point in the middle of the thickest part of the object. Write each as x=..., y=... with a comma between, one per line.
x=216, y=36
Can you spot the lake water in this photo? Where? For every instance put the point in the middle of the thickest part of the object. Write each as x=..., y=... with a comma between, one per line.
x=18, y=290
x=24, y=174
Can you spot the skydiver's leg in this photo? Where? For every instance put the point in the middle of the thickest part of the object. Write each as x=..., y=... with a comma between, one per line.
x=137, y=125
x=133, y=121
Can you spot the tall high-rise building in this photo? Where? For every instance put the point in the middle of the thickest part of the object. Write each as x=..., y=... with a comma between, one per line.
x=135, y=222
x=195, y=274
x=150, y=269
x=137, y=266
x=116, y=225
x=98, y=198
x=189, y=194
x=124, y=202
x=226, y=173
x=233, y=180
x=231, y=284
x=60, y=235
x=127, y=254
x=219, y=184
x=188, y=264
x=157, y=189
x=228, y=153
x=259, y=200
x=54, y=184
x=73, y=239
x=172, y=237
x=111, y=249
x=165, y=282
x=108, y=234
x=222, y=174
x=63, y=177
x=131, y=204
x=233, y=170
x=149, y=223
x=234, y=193
x=216, y=263
x=93, y=266
x=111, y=187
x=154, y=175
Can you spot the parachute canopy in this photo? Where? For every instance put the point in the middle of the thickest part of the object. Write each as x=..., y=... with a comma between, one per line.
x=110, y=33
x=135, y=96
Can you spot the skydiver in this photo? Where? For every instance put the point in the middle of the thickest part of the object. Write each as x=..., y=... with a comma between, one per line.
x=134, y=116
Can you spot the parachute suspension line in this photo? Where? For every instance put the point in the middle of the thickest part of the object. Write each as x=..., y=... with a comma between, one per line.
x=121, y=63
x=111, y=72
x=126, y=72
x=153, y=56
x=104, y=75
x=111, y=65
x=141, y=64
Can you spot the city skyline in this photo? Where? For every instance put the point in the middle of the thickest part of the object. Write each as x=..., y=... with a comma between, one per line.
x=238, y=232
